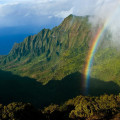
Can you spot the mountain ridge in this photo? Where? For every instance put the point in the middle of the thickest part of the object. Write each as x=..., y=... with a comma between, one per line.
x=50, y=46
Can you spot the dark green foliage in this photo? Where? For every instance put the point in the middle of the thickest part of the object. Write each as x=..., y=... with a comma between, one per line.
x=83, y=107
x=1, y=109
x=20, y=111
x=105, y=107
x=51, y=109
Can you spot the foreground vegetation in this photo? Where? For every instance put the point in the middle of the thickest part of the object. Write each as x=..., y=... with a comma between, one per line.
x=106, y=107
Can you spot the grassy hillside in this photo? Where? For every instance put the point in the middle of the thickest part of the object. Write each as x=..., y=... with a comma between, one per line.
x=106, y=64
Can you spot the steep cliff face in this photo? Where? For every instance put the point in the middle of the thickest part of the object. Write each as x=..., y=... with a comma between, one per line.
x=71, y=33
x=51, y=53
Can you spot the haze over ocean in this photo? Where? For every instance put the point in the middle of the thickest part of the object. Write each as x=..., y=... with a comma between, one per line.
x=11, y=35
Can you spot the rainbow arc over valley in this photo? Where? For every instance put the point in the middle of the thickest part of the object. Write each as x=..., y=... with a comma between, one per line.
x=92, y=50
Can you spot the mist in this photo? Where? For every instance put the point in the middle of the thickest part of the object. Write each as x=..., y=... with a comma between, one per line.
x=107, y=13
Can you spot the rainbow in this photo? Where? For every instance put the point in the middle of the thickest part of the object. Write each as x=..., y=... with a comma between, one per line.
x=92, y=51
x=90, y=57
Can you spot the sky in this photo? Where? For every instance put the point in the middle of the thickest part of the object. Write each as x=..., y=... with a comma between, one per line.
x=39, y=12
x=20, y=18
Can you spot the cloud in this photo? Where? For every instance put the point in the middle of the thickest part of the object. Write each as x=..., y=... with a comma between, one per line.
x=22, y=12
x=107, y=13
x=65, y=13
x=40, y=12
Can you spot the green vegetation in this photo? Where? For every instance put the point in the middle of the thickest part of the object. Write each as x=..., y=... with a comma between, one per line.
x=106, y=65
x=54, y=54
x=105, y=107
x=20, y=111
